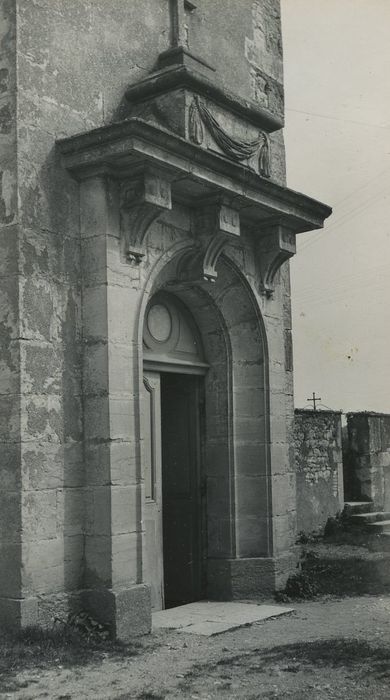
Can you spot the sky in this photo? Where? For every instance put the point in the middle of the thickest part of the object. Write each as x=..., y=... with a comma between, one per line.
x=337, y=82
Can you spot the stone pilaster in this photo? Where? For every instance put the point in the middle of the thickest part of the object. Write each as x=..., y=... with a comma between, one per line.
x=113, y=540
x=14, y=611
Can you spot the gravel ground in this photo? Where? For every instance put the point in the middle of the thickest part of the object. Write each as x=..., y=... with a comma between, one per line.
x=330, y=648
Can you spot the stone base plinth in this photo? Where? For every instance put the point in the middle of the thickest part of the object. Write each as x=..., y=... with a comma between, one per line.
x=18, y=613
x=255, y=578
x=127, y=611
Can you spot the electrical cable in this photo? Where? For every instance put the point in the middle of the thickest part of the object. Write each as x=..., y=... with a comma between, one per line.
x=338, y=119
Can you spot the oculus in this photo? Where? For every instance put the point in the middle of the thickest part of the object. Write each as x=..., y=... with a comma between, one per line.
x=159, y=323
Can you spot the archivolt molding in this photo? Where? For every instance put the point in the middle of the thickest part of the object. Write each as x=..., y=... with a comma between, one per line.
x=143, y=198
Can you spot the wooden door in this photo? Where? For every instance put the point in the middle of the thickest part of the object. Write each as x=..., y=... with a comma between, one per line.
x=181, y=488
x=151, y=434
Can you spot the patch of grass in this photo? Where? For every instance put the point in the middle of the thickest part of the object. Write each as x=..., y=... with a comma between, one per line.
x=59, y=647
x=299, y=586
x=335, y=526
x=307, y=537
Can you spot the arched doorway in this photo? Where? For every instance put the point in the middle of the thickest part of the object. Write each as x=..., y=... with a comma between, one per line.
x=236, y=481
x=172, y=420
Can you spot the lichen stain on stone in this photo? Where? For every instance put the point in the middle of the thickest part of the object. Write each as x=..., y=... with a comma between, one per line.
x=35, y=259
x=7, y=196
x=40, y=472
x=7, y=25
x=5, y=412
x=33, y=201
x=264, y=50
x=43, y=421
x=38, y=309
x=6, y=356
x=71, y=369
x=36, y=419
x=4, y=80
x=43, y=372
x=5, y=120
x=9, y=299
x=257, y=46
x=70, y=331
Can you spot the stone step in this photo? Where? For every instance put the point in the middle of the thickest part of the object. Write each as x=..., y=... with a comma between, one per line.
x=347, y=569
x=366, y=536
x=355, y=507
x=368, y=518
x=382, y=526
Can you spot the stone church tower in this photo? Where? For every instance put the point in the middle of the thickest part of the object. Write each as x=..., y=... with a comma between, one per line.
x=146, y=389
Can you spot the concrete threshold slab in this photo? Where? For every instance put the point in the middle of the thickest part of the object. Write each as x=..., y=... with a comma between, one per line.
x=209, y=618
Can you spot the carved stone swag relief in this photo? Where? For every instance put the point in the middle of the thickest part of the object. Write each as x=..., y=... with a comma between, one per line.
x=200, y=117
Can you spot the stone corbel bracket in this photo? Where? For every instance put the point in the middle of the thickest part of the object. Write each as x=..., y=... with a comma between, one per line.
x=216, y=225
x=143, y=198
x=276, y=245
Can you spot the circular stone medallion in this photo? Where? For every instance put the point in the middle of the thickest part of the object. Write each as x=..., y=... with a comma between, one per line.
x=159, y=323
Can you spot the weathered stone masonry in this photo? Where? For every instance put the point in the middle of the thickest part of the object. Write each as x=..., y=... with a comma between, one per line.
x=319, y=467
x=367, y=458
x=144, y=152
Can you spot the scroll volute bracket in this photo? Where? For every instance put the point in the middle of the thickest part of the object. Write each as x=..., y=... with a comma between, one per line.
x=275, y=245
x=144, y=197
x=215, y=225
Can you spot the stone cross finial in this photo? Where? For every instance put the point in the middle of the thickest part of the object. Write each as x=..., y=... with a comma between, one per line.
x=180, y=13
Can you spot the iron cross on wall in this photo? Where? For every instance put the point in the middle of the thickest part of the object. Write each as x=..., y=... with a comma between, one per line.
x=315, y=399
x=181, y=11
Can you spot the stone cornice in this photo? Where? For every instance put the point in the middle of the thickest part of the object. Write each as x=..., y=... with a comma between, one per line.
x=155, y=168
x=196, y=174
x=184, y=77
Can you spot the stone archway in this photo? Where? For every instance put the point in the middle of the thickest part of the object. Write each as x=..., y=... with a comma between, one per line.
x=156, y=213
x=236, y=442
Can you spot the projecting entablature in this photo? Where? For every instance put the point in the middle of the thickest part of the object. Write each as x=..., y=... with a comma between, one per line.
x=156, y=168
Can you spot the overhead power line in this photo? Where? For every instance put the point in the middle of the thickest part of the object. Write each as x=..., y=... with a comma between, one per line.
x=341, y=294
x=351, y=214
x=351, y=194
x=336, y=281
x=338, y=119
x=362, y=187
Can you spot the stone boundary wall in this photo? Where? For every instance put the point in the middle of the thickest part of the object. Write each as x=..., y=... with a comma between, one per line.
x=319, y=467
x=367, y=458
